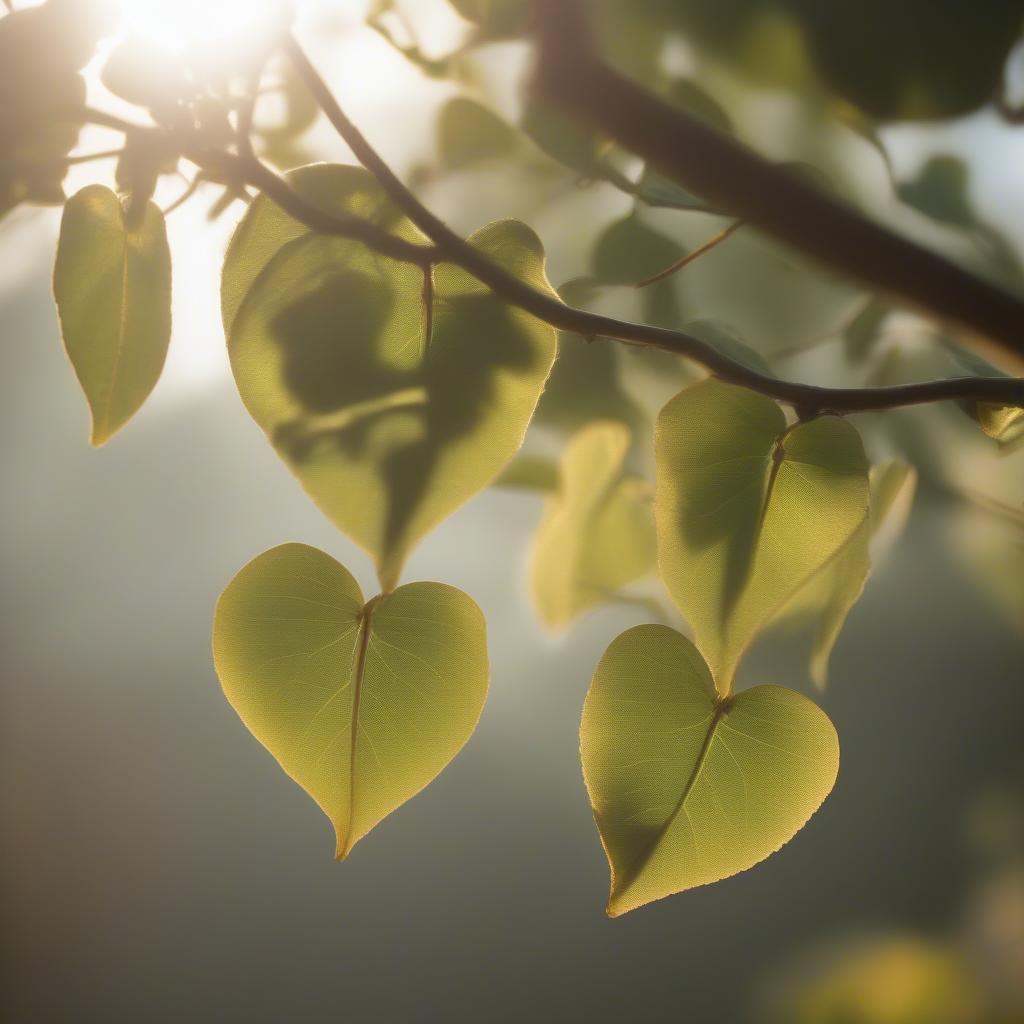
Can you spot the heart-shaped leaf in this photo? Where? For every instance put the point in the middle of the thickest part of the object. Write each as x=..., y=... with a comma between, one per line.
x=390, y=418
x=747, y=510
x=689, y=787
x=597, y=534
x=362, y=705
x=112, y=282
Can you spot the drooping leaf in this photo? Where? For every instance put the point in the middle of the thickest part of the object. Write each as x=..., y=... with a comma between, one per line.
x=361, y=704
x=689, y=788
x=388, y=429
x=597, y=534
x=112, y=282
x=748, y=510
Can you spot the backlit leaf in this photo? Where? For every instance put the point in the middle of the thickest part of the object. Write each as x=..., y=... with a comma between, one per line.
x=387, y=429
x=688, y=788
x=597, y=534
x=112, y=282
x=362, y=705
x=748, y=510
x=827, y=597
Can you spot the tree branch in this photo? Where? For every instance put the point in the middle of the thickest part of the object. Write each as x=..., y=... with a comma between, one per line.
x=768, y=196
x=452, y=248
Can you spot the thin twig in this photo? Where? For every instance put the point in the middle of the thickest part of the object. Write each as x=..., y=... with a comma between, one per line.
x=689, y=258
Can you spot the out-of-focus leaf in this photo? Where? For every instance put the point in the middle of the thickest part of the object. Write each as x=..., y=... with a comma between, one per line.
x=530, y=473
x=297, y=112
x=915, y=59
x=940, y=191
x=112, y=282
x=585, y=385
x=748, y=510
x=688, y=788
x=497, y=19
x=469, y=133
x=146, y=75
x=627, y=252
x=860, y=333
x=890, y=980
x=41, y=51
x=726, y=340
x=571, y=143
x=655, y=189
x=892, y=490
x=387, y=429
x=686, y=94
x=597, y=534
x=362, y=705
x=828, y=596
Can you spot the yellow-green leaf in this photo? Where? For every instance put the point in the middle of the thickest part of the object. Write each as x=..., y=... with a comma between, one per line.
x=689, y=787
x=362, y=705
x=747, y=510
x=112, y=282
x=597, y=534
x=389, y=426
x=828, y=596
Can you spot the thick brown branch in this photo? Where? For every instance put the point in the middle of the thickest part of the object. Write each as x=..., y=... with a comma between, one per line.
x=768, y=196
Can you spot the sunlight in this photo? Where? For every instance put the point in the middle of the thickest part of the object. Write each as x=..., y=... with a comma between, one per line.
x=186, y=23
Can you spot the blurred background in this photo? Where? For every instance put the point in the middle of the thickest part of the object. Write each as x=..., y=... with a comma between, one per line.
x=158, y=866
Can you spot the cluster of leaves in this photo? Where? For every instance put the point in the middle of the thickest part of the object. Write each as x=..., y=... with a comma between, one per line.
x=396, y=391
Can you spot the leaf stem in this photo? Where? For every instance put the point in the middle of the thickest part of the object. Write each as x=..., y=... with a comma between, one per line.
x=685, y=261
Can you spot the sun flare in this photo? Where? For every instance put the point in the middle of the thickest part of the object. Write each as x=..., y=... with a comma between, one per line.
x=177, y=25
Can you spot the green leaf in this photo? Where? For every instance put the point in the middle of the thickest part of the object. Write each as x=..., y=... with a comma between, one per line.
x=726, y=339
x=530, y=473
x=689, y=788
x=469, y=133
x=362, y=705
x=748, y=510
x=387, y=429
x=597, y=534
x=112, y=282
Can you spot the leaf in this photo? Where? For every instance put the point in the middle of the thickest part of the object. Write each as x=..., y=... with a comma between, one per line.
x=827, y=597
x=469, y=133
x=387, y=429
x=112, y=283
x=362, y=705
x=655, y=189
x=748, y=510
x=530, y=473
x=688, y=788
x=597, y=534
x=726, y=339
